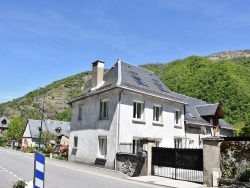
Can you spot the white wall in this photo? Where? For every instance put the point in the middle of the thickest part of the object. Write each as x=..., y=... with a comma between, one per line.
x=166, y=132
x=91, y=127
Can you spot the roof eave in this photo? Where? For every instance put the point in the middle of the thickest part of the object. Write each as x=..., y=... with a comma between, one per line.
x=122, y=87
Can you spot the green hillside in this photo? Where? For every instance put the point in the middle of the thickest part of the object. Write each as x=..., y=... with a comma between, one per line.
x=222, y=81
x=57, y=95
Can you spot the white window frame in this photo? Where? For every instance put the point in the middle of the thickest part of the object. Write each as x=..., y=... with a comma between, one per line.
x=104, y=106
x=136, y=146
x=157, y=117
x=102, y=146
x=177, y=118
x=177, y=142
x=138, y=110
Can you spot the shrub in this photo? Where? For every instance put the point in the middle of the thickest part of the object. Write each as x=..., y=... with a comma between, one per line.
x=245, y=175
x=19, y=184
x=31, y=150
x=61, y=158
x=47, y=150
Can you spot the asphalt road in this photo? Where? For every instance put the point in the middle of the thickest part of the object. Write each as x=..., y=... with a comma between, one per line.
x=15, y=165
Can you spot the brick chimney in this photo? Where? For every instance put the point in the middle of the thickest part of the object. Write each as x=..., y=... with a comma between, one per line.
x=97, y=73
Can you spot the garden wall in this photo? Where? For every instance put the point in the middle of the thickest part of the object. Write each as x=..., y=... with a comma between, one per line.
x=131, y=164
x=235, y=162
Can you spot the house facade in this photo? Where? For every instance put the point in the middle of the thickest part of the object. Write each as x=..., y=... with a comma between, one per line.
x=203, y=120
x=128, y=104
x=31, y=133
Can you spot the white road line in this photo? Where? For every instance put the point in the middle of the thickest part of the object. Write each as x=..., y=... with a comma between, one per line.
x=6, y=170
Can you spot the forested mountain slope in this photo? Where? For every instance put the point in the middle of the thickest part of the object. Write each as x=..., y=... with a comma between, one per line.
x=57, y=94
x=222, y=81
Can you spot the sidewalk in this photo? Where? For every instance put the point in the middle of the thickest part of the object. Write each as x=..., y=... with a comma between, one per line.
x=167, y=182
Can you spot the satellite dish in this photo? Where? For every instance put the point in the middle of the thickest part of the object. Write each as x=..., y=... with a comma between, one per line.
x=203, y=130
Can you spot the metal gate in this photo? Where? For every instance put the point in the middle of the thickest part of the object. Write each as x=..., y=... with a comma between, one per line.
x=182, y=164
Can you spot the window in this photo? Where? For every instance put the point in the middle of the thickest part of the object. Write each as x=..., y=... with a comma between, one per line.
x=139, y=80
x=79, y=112
x=161, y=87
x=75, y=141
x=104, y=109
x=157, y=111
x=157, y=143
x=138, y=110
x=177, y=143
x=103, y=146
x=177, y=116
x=136, y=146
x=4, y=122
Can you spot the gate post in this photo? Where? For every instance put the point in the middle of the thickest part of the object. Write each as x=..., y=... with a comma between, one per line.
x=211, y=160
x=148, y=143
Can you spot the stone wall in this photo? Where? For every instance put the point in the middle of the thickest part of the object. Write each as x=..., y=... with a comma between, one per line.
x=131, y=164
x=233, y=184
x=235, y=158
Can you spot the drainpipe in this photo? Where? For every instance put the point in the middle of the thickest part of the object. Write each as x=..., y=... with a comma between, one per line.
x=118, y=126
x=185, y=127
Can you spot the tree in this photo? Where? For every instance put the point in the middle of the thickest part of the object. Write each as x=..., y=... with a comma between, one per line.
x=48, y=136
x=15, y=129
x=64, y=115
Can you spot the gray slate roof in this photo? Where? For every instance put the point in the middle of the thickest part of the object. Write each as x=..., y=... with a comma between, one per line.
x=48, y=125
x=207, y=109
x=120, y=75
x=225, y=125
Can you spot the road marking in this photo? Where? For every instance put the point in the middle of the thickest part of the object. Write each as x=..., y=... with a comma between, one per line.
x=6, y=170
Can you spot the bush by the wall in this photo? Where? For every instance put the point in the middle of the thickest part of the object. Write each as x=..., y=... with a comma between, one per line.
x=245, y=175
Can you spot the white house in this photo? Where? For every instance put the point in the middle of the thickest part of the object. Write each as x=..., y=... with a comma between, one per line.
x=128, y=104
x=31, y=133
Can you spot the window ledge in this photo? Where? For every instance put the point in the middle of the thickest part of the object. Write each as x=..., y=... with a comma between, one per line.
x=100, y=119
x=178, y=126
x=138, y=121
x=155, y=123
x=101, y=157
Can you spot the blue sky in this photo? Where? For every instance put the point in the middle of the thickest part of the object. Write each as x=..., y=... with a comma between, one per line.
x=42, y=41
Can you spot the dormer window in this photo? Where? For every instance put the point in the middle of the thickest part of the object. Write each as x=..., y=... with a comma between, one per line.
x=139, y=80
x=58, y=130
x=161, y=87
x=4, y=122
